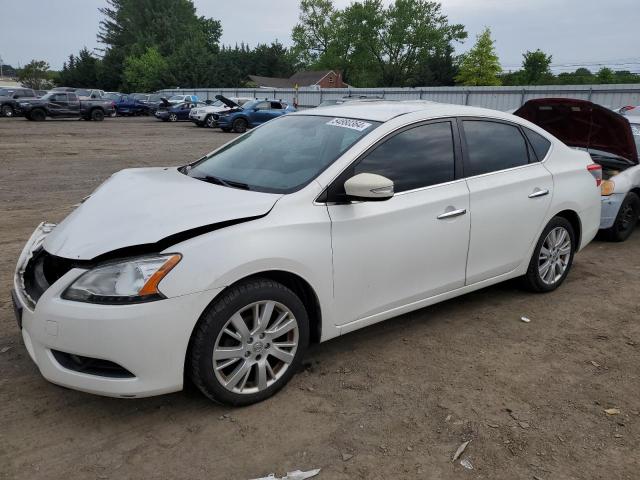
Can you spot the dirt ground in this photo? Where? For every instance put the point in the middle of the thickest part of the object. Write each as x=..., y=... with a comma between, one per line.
x=393, y=401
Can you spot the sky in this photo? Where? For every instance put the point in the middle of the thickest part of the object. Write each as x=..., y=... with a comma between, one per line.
x=575, y=32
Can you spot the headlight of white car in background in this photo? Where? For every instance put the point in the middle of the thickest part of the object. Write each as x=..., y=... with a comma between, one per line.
x=130, y=281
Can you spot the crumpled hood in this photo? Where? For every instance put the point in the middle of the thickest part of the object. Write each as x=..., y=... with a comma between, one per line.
x=579, y=123
x=146, y=205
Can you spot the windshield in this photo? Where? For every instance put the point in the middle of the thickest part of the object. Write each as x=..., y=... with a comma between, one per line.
x=112, y=96
x=178, y=98
x=284, y=154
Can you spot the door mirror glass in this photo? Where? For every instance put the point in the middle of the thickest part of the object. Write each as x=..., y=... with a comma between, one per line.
x=369, y=186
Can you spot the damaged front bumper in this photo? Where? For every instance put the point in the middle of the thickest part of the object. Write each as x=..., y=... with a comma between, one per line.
x=132, y=350
x=610, y=208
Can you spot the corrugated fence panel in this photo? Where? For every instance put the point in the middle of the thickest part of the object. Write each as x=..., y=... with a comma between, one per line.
x=498, y=98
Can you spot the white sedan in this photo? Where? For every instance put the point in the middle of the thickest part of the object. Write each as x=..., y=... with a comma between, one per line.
x=315, y=224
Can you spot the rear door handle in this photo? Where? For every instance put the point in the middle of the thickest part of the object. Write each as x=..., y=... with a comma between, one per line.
x=539, y=193
x=452, y=213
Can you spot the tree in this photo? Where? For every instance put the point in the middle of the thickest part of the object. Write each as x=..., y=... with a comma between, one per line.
x=35, y=75
x=606, y=75
x=536, y=67
x=171, y=27
x=480, y=66
x=375, y=45
x=80, y=71
x=312, y=37
x=145, y=72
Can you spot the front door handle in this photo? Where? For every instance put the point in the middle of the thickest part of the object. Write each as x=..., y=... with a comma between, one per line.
x=539, y=193
x=452, y=213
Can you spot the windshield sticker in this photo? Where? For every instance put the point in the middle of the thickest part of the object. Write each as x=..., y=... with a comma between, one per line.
x=635, y=129
x=358, y=125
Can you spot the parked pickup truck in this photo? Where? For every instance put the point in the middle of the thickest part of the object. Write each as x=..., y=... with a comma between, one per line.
x=66, y=105
x=612, y=141
x=10, y=97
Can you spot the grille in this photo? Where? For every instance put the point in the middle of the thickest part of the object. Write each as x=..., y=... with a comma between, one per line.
x=42, y=271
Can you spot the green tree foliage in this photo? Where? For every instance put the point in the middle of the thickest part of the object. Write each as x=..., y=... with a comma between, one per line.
x=170, y=27
x=146, y=72
x=80, y=70
x=35, y=75
x=536, y=67
x=480, y=66
x=374, y=45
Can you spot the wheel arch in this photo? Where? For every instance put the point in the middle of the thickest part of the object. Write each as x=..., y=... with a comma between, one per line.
x=574, y=219
x=295, y=283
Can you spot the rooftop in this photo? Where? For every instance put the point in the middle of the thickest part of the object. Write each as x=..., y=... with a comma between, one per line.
x=385, y=110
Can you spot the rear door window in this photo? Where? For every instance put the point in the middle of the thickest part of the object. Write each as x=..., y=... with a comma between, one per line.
x=493, y=146
x=415, y=158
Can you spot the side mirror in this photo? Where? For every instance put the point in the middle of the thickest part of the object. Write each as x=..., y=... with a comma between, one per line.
x=369, y=186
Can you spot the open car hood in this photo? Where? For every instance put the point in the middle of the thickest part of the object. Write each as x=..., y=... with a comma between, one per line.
x=583, y=124
x=147, y=208
x=228, y=102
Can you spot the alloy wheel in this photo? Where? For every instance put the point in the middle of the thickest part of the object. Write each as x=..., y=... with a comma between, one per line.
x=554, y=256
x=256, y=347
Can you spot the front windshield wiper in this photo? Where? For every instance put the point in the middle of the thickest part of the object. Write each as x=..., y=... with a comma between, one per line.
x=224, y=183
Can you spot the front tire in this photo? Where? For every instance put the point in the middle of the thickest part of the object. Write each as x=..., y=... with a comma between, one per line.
x=173, y=117
x=240, y=125
x=38, y=115
x=249, y=342
x=552, y=258
x=626, y=219
x=7, y=111
x=209, y=121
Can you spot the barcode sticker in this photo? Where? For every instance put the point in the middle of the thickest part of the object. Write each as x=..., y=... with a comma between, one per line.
x=358, y=125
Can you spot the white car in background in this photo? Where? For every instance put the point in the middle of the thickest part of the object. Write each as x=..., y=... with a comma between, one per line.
x=204, y=116
x=312, y=225
x=612, y=140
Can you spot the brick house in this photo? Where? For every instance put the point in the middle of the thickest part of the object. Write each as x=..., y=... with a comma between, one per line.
x=307, y=78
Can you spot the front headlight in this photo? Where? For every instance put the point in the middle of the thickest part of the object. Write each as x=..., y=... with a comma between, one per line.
x=130, y=281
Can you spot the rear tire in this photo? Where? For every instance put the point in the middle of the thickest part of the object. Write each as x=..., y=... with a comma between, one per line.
x=626, y=219
x=266, y=353
x=7, y=111
x=38, y=115
x=97, y=115
x=552, y=257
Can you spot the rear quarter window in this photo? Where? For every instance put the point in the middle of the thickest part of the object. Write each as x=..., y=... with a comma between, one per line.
x=540, y=144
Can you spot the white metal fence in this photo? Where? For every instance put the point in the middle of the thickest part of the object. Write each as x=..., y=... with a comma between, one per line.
x=498, y=98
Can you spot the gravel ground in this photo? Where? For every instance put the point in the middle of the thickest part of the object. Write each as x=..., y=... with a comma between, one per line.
x=392, y=401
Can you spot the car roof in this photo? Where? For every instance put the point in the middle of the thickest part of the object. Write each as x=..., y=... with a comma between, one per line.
x=385, y=110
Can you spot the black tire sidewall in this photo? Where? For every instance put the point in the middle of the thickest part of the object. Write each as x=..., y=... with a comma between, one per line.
x=240, y=125
x=97, y=116
x=532, y=278
x=7, y=111
x=215, y=318
x=38, y=115
x=208, y=121
x=615, y=233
